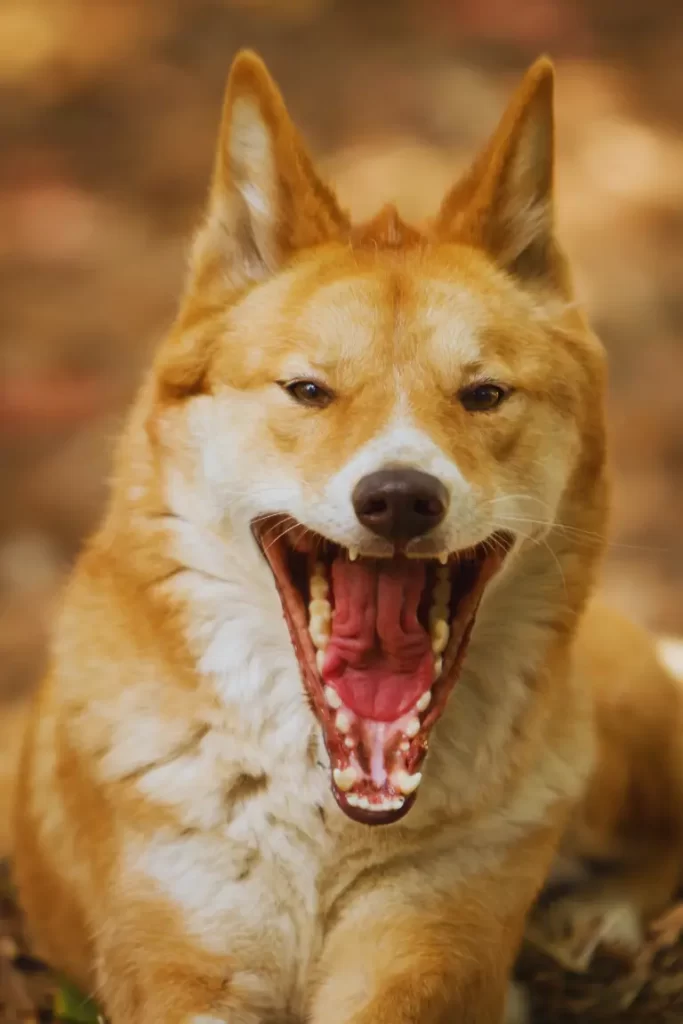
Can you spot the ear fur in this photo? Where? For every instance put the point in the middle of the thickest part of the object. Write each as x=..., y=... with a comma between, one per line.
x=266, y=200
x=505, y=203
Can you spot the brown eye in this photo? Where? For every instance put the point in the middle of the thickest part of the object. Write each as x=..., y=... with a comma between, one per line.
x=307, y=392
x=483, y=397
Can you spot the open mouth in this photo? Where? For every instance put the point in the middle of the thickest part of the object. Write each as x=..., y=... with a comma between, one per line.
x=380, y=643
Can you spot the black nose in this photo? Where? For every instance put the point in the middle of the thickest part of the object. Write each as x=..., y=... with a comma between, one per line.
x=400, y=504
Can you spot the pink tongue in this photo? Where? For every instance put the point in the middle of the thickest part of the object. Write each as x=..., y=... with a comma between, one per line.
x=379, y=658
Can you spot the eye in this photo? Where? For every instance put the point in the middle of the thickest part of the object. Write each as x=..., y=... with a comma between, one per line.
x=483, y=397
x=307, y=392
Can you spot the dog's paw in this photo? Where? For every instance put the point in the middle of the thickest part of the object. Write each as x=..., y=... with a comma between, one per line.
x=573, y=928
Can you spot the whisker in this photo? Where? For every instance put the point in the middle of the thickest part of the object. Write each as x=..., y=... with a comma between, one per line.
x=294, y=526
x=542, y=542
x=578, y=534
x=265, y=516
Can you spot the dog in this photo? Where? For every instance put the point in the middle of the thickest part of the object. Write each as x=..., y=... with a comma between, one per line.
x=313, y=728
x=620, y=862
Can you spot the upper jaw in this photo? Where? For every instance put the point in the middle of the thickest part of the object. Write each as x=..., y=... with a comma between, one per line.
x=299, y=558
x=429, y=549
x=436, y=546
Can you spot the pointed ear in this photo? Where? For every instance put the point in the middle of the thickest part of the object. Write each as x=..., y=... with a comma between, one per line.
x=505, y=203
x=266, y=200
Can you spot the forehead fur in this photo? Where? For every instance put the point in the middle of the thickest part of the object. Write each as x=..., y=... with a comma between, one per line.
x=349, y=313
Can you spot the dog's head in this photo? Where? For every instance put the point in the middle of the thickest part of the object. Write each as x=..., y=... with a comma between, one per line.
x=389, y=414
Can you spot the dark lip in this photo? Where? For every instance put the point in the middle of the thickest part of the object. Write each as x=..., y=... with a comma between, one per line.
x=295, y=617
x=364, y=817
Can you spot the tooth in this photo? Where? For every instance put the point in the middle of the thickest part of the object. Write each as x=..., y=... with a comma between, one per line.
x=319, y=586
x=408, y=783
x=443, y=574
x=397, y=803
x=424, y=701
x=332, y=697
x=404, y=746
x=364, y=803
x=440, y=632
x=412, y=727
x=344, y=778
x=353, y=554
x=320, y=660
x=343, y=721
x=319, y=609
x=349, y=743
x=441, y=594
x=438, y=667
x=353, y=800
x=319, y=631
x=320, y=617
x=443, y=558
x=437, y=613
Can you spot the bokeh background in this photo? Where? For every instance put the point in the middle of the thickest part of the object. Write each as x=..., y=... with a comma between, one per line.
x=108, y=116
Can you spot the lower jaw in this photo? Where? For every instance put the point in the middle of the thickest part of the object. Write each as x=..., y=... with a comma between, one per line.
x=405, y=745
x=376, y=766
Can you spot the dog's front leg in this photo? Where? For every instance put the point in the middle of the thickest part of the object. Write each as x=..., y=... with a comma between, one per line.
x=403, y=950
x=165, y=985
x=154, y=965
x=417, y=967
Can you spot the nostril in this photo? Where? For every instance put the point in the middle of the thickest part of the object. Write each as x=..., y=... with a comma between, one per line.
x=430, y=508
x=375, y=507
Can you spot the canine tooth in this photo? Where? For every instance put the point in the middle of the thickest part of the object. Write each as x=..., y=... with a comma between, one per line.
x=353, y=554
x=342, y=721
x=443, y=558
x=320, y=609
x=438, y=667
x=412, y=727
x=332, y=697
x=424, y=701
x=320, y=660
x=353, y=800
x=440, y=633
x=344, y=778
x=408, y=783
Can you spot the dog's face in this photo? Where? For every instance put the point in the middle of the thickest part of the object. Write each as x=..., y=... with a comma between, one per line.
x=386, y=414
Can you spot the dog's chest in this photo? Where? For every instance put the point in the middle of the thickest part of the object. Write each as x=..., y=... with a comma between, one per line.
x=246, y=863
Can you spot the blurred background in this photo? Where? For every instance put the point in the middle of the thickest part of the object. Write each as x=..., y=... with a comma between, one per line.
x=108, y=116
